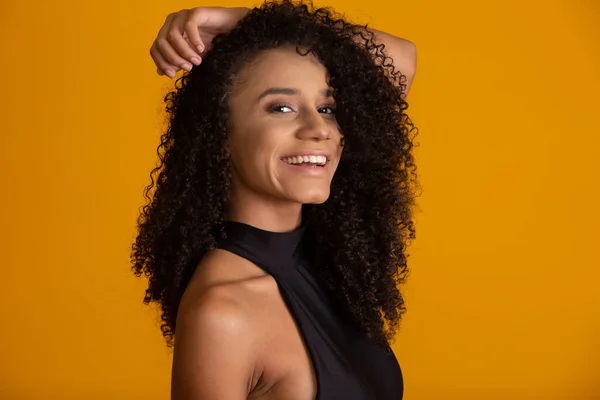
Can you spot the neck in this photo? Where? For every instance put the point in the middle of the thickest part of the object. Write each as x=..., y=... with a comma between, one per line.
x=261, y=211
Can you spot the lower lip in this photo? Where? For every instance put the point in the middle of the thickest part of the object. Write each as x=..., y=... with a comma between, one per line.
x=307, y=169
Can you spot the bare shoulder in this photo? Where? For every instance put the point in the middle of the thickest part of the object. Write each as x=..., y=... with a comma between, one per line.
x=224, y=269
x=216, y=337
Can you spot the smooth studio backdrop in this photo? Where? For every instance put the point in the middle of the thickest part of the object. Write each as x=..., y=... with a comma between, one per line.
x=503, y=300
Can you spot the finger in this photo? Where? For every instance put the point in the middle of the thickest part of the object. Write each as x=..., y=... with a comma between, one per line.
x=179, y=39
x=171, y=56
x=176, y=38
x=164, y=30
x=197, y=18
x=163, y=66
x=197, y=58
x=163, y=42
x=198, y=49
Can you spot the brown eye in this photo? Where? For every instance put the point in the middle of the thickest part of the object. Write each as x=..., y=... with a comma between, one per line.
x=328, y=110
x=280, y=108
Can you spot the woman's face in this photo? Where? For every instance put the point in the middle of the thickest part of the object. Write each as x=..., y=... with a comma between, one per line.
x=284, y=139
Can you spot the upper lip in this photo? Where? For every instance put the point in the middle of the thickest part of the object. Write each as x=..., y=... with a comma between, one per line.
x=309, y=153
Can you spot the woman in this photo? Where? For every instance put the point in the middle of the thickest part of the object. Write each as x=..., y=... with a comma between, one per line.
x=275, y=238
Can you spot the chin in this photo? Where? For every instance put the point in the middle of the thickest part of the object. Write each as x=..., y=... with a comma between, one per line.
x=314, y=197
x=316, y=201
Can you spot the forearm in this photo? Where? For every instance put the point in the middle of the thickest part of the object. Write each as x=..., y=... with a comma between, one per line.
x=403, y=53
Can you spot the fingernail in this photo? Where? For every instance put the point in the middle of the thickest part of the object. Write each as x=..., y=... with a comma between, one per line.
x=187, y=67
x=195, y=60
x=170, y=73
x=200, y=48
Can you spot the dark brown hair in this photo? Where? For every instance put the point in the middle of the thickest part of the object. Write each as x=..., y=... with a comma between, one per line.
x=361, y=232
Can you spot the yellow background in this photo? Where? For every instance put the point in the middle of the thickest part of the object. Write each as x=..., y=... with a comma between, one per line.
x=504, y=297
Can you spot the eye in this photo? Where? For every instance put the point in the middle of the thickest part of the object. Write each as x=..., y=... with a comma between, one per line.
x=327, y=110
x=280, y=108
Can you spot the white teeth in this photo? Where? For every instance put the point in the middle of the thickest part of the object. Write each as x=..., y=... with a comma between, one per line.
x=321, y=160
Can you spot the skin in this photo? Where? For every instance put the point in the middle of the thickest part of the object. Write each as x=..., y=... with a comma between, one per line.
x=235, y=337
x=284, y=109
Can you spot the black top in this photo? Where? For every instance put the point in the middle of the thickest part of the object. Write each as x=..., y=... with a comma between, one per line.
x=347, y=365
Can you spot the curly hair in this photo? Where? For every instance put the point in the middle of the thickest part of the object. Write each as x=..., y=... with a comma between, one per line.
x=360, y=233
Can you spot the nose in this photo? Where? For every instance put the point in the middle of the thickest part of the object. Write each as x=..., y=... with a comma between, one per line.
x=313, y=126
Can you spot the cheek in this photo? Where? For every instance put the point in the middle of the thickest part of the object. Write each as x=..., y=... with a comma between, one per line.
x=252, y=153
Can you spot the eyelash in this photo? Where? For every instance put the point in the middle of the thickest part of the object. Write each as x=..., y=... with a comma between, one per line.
x=274, y=108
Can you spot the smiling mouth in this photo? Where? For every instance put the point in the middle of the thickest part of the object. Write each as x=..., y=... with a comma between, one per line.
x=306, y=161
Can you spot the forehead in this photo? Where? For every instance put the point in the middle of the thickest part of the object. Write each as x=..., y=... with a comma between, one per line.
x=282, y=67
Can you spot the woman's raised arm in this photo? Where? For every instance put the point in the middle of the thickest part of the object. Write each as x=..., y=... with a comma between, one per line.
x=187, y=34
x=402, y=51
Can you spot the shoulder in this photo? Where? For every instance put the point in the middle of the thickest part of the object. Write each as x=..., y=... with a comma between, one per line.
x=217, y=320
x=215, y=348
x=225, y=270
x=220, y=295
x=218, y=305
x=216, y=338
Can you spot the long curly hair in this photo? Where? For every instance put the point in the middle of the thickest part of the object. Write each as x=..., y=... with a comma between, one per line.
x=360, y=233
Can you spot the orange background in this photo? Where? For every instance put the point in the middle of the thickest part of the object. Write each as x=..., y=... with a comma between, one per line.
x=504, y=298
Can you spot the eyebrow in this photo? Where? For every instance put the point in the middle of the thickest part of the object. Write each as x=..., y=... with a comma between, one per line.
x=290, y=92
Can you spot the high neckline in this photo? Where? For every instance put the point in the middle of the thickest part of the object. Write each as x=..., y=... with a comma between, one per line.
x=267, y=246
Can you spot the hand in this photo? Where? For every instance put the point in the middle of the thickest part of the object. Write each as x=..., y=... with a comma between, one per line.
x=187, y=35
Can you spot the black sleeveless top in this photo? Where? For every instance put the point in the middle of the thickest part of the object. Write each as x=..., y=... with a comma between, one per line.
x=347, y=365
